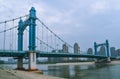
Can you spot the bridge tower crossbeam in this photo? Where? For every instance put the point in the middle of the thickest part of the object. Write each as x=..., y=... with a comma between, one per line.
x=106, y=44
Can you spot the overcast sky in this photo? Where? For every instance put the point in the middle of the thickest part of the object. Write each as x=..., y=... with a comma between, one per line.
x=82, y=21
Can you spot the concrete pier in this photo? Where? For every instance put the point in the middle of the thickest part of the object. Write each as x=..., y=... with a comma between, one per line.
x=20, y=63
x=32, y=61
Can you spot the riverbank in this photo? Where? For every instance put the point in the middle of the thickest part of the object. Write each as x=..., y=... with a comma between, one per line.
x=81, y=63
x=17, y=74
x=114, y=62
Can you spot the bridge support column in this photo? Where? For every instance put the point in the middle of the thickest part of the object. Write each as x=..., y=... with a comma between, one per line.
x=20, y=64
x=108, y=54
x=108, y=59
x=32, y=61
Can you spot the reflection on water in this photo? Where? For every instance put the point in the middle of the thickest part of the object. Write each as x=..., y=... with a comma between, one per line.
x=58, y=71
x=84, y=72
x=79, y=72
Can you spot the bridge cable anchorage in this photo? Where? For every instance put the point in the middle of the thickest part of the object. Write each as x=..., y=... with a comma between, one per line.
x=13, y=19
x=53, y=33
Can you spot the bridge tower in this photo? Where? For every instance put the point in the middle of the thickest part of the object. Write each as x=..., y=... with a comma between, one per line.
x=20, y=44
x=106, y=44
x=32, y=37
x=31, y=22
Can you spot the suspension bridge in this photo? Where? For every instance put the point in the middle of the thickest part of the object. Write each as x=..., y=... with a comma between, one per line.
x=29, y=37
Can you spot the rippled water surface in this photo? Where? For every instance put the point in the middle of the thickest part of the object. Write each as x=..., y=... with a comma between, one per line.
x=78, y=72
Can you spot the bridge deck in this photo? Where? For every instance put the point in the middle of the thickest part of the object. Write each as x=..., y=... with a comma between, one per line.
x=11, y=53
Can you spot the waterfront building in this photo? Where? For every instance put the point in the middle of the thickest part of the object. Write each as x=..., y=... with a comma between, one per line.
x=65, y=50
x=90, y=52
x=112, y=51
x=76, y=48
x=102, y=51
x=76, y=51
x=118, y=52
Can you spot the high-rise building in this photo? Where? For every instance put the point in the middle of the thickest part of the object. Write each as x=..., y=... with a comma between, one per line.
x=76, y=48
x=65, y=50
x=90, y=51
x=76, y=51
x=112, y=51
x=118, y=52
x=102, y=51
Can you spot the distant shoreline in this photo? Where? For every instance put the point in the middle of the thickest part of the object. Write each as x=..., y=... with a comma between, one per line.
x=71, y=63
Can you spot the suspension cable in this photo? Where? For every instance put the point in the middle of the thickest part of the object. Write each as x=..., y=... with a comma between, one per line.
x=53, y=32
x=42, y=41
x=8, y=29
x=40, y=45
x=13, y=19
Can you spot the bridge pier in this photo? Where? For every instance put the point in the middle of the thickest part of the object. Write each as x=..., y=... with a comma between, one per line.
x=108, y=59
x=20, y=64
x=32, y=61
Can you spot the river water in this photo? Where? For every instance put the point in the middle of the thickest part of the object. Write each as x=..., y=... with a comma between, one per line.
x=78, y=71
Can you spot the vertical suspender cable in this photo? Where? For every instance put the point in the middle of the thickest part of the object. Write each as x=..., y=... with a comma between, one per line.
x=12, y=43
x=51, y=40
x=55, y=42
x=4, y=36
x=47, y=39
x=25, y=39
x=37, y=35
x=42, y=39
x=59, y=44
x=40, y=46
x=14, y=40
